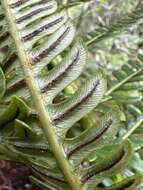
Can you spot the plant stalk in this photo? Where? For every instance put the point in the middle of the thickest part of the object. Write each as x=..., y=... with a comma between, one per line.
x=39, y=104
x=133, y=128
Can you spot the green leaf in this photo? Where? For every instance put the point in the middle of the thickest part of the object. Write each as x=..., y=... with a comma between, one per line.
x=16, y=109
x=24, y=131
x=44, y=184
x=89, y=95
x=109, y=166
x=114, y=29
x=130, y=183
x=93, y=138
x=125, y=77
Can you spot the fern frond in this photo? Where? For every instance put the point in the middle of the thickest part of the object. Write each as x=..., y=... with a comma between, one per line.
x=133, y=129
x=114, y=29
x=43, y=33
x=56, y=180
x=45, y=184
x=125, y=88
x=128, y=78
x=108, y=166
x=16, y=108
x=130, y=183
x=46, y=59
x=92, y=139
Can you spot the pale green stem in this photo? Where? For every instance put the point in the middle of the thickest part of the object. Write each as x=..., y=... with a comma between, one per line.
x=88, y=43
x=133, y=128
x=39, y=104
x=109, y=92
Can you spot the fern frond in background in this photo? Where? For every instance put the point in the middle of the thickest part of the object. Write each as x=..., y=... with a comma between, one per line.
x=115, y=29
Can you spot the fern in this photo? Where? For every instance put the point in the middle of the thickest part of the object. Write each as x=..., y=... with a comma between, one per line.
x=114, y=29
x=129, y=78
x=129, y=184
x=41, y=56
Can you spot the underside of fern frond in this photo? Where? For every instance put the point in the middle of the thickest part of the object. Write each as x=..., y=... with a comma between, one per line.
x=41, y=57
